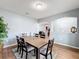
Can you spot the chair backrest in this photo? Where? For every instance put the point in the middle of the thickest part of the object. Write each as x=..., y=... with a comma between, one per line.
x=17, y=38
x=36, y=35
x=42, y=36
x=24, y=34
x=50, y=46
x=23, y=43
x=41, y=33
x=22, y=40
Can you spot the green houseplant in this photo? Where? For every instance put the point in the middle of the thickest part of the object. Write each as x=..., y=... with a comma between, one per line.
x=3, y=30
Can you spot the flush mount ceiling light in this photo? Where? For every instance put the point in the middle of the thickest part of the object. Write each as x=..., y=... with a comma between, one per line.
x=39, y=5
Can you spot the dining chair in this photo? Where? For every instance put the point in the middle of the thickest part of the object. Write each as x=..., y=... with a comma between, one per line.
x=18, y=44
x=48, y=49
x=42, y=36
x=24, y=34
x=25, y=48
x=36, y=35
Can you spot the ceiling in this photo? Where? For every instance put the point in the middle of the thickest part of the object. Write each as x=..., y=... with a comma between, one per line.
x=25, y=7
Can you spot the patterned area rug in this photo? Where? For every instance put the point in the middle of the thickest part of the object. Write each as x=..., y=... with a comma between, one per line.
x=30, y=55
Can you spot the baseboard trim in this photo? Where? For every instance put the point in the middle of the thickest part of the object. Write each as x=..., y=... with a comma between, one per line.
x=55, y=43
x=12, y=45
x=67, y=45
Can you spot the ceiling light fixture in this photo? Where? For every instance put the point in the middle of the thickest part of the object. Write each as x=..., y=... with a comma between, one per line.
x=39, y=5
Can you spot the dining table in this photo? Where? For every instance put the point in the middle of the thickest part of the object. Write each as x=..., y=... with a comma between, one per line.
x=37, y=43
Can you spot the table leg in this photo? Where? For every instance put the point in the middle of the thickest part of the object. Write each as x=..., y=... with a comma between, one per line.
x=37, y=53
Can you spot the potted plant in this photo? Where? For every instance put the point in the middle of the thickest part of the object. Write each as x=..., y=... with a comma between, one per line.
x=3, y=32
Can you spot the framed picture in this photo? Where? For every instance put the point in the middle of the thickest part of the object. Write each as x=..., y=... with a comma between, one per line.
x=73, y=29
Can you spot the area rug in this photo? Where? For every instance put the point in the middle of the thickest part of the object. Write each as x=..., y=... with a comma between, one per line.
x=30, y=55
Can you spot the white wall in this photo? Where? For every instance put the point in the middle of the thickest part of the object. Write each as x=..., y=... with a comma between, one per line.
x=62, y=31
x=18, y=24
x=42, y=26
x=71, y=39
x=60, y=28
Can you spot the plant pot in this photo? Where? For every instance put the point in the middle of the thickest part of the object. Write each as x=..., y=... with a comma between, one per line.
x=1, y=47
x=1, y=51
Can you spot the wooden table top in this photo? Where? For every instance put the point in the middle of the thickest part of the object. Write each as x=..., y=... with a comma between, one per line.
x=36, y=41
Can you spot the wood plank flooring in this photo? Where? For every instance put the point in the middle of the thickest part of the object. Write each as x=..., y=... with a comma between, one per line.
x=61, y=51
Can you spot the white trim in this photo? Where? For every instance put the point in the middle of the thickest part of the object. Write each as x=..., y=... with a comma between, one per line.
x=55, y=43
x=67, y=45
x=9, y=45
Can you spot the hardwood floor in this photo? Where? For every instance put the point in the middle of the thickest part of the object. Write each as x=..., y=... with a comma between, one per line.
x=66, y=52
x=61, y=51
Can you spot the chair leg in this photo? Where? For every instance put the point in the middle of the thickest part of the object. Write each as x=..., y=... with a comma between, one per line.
x=17, y=48
x=46, y=57
x=26, y=55
x=34, y=52
x=22, y=54
x=20, y=50
x=51, y=55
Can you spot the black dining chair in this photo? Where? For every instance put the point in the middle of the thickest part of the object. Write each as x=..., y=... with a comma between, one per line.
x=48, y=49
x=18, y=44
x=42, y=36
x=36, y=35
x=25, y=48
